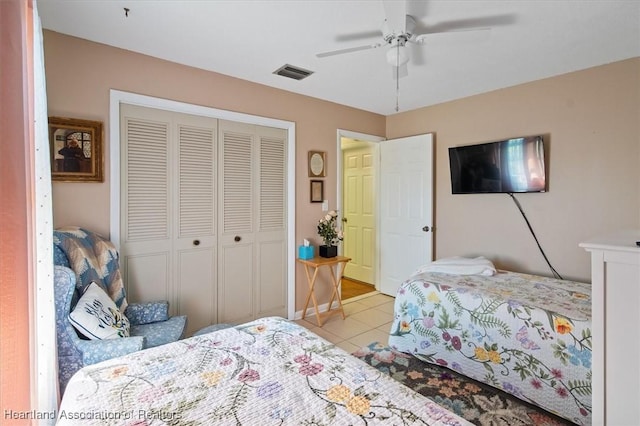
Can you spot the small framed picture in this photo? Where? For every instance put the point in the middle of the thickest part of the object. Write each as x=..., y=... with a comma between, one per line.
x=317, y=164
x=76, y=150
x=317, y=191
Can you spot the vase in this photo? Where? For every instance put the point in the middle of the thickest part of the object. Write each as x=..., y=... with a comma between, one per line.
x=328, y=251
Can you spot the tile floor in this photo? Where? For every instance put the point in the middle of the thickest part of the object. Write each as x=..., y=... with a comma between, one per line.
x=368, y=319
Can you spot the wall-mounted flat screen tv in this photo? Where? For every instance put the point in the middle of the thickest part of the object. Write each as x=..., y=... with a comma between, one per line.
x=513, y=165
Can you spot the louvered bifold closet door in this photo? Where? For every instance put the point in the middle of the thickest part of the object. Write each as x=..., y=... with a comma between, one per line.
x=146, y=240
x=168, y=187
x=195, y=225
x=236, y=255
x=252, y=238
x=271, y=247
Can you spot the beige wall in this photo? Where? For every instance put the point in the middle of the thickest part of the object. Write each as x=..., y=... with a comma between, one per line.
x=591, y=120
x=81, y=73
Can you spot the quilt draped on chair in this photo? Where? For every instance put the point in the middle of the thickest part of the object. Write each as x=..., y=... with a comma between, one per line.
x=94, y=259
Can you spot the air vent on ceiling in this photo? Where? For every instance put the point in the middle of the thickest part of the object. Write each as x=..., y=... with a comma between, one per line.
x=295, y=73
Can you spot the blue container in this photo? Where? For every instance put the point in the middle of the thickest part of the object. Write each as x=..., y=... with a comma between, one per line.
x=305, y=252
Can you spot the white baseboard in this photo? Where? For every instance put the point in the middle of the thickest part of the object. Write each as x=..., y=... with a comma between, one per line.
x=323, y=308
x=362, y=296
x=311, y=313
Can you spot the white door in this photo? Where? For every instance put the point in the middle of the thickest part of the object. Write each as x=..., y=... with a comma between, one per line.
x=406, y=208
x=195, y=224
x=252, y=239
x=359, y=210
x=236, y=256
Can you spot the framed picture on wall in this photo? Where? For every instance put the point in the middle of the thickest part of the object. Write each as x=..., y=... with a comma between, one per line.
x=76, y=150
x=317, y=191
x=317, y=164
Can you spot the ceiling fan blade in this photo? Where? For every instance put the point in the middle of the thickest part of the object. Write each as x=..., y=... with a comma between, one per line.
x=348, y=50
x=466, y=24
x=400, y=72
x=420, y=38
x=359, y=36
x=395, y=12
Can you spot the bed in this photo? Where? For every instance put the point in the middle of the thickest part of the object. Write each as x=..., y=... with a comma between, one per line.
x=269, y=372
x=527, y=335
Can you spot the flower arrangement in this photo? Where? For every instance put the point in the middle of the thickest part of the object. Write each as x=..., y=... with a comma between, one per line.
x=327, y=229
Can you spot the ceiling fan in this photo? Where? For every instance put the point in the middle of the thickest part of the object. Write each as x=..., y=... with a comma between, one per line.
x=400, y=29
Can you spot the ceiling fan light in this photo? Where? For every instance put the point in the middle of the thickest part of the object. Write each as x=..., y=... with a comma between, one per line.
x=397, y=55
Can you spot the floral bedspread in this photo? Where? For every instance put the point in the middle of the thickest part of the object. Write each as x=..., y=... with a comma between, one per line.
x=527, y=335
x=267, y=372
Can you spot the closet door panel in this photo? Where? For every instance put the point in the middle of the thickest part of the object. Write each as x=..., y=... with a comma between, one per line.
x=237, y=211
x=195, y=226
x=270, y=285
x=145, y=252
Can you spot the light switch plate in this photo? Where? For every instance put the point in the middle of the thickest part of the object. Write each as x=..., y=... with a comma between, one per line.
x=325, y=206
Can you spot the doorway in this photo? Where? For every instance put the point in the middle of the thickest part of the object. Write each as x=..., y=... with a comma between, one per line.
x=359, y=170
x=403, y=189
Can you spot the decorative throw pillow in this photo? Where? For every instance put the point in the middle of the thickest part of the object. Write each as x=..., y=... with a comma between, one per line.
x=97, y=317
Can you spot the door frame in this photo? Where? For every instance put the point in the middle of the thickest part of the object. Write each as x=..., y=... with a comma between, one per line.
x=341, y=133
x=116, y=97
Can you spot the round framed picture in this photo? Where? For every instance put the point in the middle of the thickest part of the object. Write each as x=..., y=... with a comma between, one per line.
x=317, y=164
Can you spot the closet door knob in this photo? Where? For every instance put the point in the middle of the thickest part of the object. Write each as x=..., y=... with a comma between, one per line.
x=237, y=238
x=196, y=242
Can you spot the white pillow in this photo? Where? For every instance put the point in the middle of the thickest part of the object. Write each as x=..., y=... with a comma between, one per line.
x=97, y=317
x=460, y=266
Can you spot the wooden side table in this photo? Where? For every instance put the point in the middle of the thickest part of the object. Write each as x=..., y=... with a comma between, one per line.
x=314, y=265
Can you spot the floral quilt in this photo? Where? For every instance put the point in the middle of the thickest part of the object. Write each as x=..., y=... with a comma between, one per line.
x=527, y=335
x=267, y=372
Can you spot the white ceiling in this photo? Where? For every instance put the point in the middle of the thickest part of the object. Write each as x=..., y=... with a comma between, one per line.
x=249, y=39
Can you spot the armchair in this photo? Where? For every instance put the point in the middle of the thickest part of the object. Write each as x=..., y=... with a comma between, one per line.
x=81, y=257
x=74, y=352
